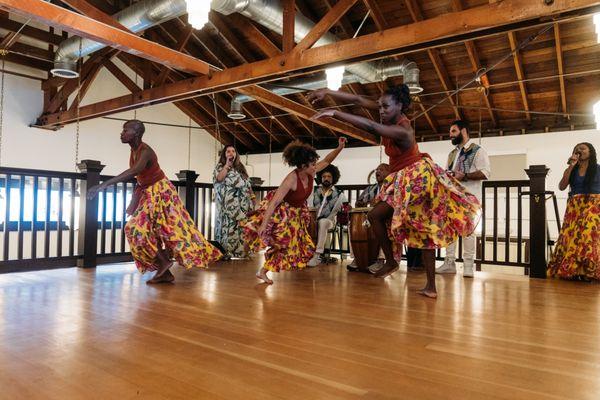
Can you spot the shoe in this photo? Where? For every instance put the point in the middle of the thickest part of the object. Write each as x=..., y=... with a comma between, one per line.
x=315, y=260
x=468, y=269
x=376, y=266
x=449, y=267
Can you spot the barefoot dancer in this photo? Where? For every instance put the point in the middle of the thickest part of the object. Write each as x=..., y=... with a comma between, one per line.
x=423, y=205
x=281, y=222
x=160, y=228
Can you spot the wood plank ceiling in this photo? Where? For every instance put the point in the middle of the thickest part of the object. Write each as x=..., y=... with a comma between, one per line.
x=550, y=85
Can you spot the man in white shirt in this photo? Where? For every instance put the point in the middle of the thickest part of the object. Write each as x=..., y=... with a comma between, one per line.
x=470, y=164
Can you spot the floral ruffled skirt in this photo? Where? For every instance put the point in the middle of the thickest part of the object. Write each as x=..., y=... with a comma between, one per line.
x=577, y=251
x=289, y=245
x=161, y=221
x=431, y=208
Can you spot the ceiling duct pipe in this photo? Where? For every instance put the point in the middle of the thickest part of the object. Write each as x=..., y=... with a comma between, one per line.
x=405, y=68
x=137, y=18
x=269, y=13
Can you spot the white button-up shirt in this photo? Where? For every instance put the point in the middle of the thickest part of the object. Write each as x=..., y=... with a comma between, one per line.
x=481, y=162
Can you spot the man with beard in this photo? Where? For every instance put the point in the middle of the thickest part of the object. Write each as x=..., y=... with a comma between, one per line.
x=327, y=200
x=368, y=196
x=470, y=164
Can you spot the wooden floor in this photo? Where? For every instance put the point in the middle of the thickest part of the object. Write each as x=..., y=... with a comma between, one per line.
x=316, y=334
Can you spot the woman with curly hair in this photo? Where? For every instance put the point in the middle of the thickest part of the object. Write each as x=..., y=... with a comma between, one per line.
x=281, y=222
x=233, y=200
x=577, y=252
x=425, y=207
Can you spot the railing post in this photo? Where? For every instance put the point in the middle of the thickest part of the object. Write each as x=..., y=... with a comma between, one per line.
x=537, y=220
x=188, y=192
x=88, y=214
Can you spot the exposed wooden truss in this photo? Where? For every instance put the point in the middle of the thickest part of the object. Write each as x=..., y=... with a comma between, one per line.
x=246, y=54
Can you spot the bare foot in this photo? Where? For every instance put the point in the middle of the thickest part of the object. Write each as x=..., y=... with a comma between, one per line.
x=163, y=269
x=387, y=270
x=166, y=277
x=262, y=275
x=432, y=294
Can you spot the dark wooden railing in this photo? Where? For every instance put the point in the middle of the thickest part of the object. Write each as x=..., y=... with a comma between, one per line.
x=54, y=224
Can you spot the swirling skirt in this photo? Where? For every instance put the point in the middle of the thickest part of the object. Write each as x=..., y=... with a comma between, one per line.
x=289, y=245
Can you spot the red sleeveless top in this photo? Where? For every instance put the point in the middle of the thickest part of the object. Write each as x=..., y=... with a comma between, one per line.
x=152, y=173
x=399, y=158
x=297, y=198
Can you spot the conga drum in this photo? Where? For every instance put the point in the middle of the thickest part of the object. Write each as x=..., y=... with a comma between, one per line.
x=362, y=238
x=312, y=224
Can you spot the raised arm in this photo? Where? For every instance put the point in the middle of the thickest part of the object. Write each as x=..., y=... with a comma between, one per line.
x=124, y=176
x=403, y=135
x=564, y=182
x=328, y=159
x=363, y=101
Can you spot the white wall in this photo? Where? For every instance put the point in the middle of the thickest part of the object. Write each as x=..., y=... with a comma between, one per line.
x=551, y=149
x=26, y=147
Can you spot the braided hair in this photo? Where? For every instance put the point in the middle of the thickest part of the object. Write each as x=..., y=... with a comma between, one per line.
x=401, y=95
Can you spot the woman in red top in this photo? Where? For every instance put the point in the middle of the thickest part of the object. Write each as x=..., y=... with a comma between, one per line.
x=424, y=207
x=281, y=221
x=160, y=228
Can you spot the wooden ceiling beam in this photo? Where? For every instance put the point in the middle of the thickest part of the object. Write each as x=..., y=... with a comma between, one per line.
x=416, y=15
x=289, y=26
x=480, y=21
x=87, y=27
x=561, y=68
x=476, y=64
x=28, y=31
x=254, y=35
x=435, y=57
x=180, y=46
x=88, y=9
x=512, y=38
x=325, y=24
x=376, y=14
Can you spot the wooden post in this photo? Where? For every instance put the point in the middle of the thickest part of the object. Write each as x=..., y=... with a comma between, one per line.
x=537, y=220
x=289, y=17
x=88, y=214
x=188, y=192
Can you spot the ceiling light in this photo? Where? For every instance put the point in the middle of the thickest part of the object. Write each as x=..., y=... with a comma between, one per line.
x=198, y=11
x=335, y=76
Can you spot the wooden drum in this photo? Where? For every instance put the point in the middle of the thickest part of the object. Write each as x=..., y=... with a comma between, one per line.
x=362, y=239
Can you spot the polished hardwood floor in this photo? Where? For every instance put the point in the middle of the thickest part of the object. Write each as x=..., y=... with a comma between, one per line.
x=322, y=333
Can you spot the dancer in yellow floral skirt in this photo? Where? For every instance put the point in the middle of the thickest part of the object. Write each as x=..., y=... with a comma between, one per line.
x=281, y=222
x=577, y=252
x=160, y=228
x=422, y=205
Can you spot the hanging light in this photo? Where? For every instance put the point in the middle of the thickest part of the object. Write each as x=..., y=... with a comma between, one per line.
x=335, y=75
x=597, y=114
x=597, y=24
x=198, y=12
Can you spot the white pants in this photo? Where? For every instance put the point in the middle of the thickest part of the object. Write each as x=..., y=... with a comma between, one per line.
x=469, y=243
x=324, y=225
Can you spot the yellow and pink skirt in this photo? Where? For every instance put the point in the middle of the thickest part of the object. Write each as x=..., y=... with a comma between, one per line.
x=289, y=245
x=431, y=208
x=161, y=222
x=577, y=251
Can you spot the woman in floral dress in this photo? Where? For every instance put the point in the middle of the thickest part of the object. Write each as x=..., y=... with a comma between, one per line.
x=577, y=252
x=160, y=228
x=423, y=206
x=281, y=222
x=233, y=199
